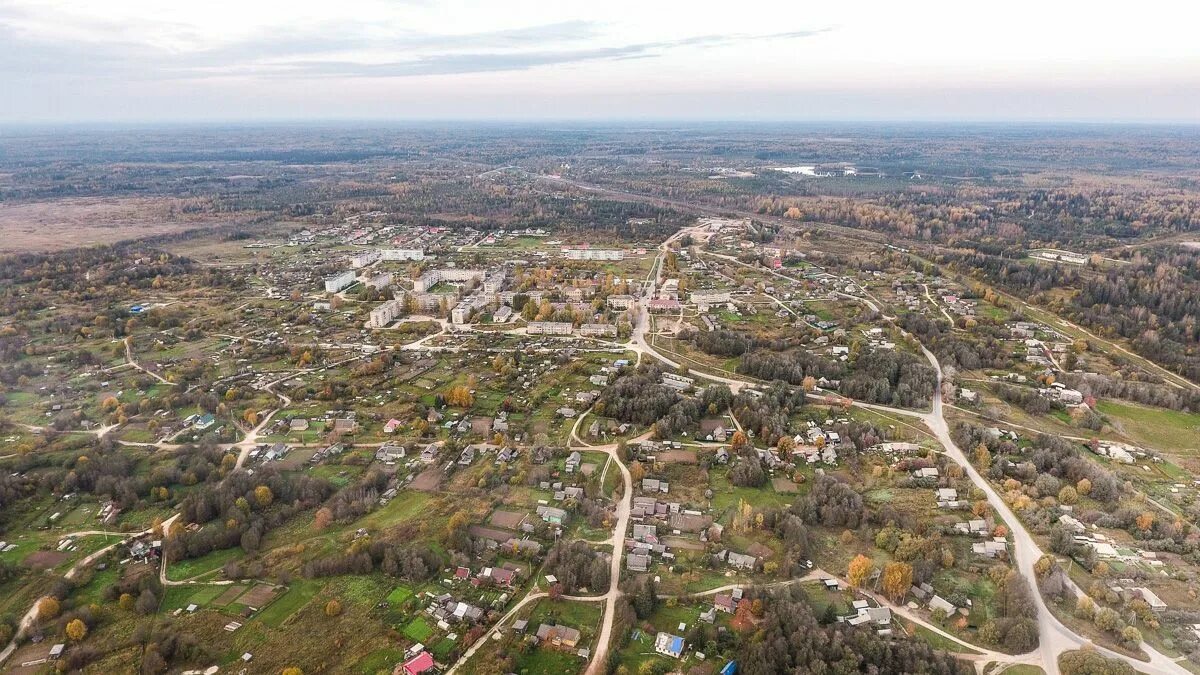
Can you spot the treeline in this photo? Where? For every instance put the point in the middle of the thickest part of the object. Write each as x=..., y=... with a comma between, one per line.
x=1148, y=393
x=1152, y=300
x=1050, y=456
x=983, y=347
x=791, y=367
x=685, y=415
x=881, y=376
x=725, y=342
x=415, y=562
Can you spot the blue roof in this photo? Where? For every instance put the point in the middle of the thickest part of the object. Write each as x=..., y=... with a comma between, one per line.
x=730, y=668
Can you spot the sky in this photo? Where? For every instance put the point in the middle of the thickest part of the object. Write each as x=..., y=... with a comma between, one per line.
x=744, y=60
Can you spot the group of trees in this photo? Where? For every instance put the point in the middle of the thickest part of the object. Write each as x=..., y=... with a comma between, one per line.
x=242, y=506
x=831, y=503
x=415, y=562
x=769, y=414
x=790, y=639
x=577, y=565
x=880, y=376
x=637, y=396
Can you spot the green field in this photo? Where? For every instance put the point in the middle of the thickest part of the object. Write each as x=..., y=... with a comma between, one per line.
x=296, y=596
x=418, y=630
x=399, y=595
x=1166, y=430
x=186, y=569
x=938, y=641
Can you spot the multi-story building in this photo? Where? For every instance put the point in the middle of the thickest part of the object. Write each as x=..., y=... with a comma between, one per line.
x=401, y=254
x=386, y=313
x=620, y=301
x=494, y=282
x=434, y=277
x=460, y=314
x=710, y=297
x=549, y=328
x=380, y=281
x=593, y=254
x=598, y=330
x=338, y=282
x=359, y=260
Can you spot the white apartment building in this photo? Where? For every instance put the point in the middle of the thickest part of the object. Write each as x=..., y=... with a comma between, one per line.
x=363, y=259
x=434, y=277
x=549, y=328
x=401, y=254
x=620, y=301
x=380, y=281
x=385, y=313
x=593, y=254
x=710, y=297
x=338, y=282
x=598, y=330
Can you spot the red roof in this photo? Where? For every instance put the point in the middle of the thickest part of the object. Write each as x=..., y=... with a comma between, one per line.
x=418, y=664
x=462, y=573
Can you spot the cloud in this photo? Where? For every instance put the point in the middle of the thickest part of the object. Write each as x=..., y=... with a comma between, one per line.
x=347, y=50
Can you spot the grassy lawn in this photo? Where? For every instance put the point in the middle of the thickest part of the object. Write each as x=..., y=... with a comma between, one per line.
x=192, y=567
x=380, y=660
x=418, y=630
x=399, y=595
x=405, y=506
x=936, y=640
x=296, y=596
x=1159, y=429
x=549, y=661
x=582, y=615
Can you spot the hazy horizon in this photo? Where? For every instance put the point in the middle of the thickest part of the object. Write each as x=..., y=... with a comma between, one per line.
x=137, y=61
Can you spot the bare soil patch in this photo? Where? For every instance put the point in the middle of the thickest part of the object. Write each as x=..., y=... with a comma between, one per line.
x=258, y=596
x=508, y=519
x=228, y=596
x=45, y=559
x=88, y=221
x=428, y=480
x=678, y=456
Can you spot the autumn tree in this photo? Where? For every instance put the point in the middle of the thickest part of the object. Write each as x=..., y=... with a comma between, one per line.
x=739, y=440
x=48, y=608
x=76, y=630
x=333, y=608
x=859, y=570
x=322, y=518
x=637, y=472
x=1145, y=521
x=983, y=456
x=460, y=397
x=263, y=495
x=897, y=579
